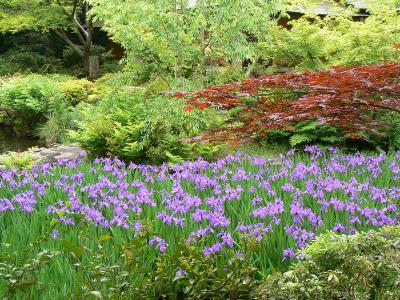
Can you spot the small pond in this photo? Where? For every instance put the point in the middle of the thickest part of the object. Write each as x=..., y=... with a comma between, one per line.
x=12, y=142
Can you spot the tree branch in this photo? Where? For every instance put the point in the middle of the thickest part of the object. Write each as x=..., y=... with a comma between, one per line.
x=80, y=36
x=80, y=27
x=90, y=33
x=62, y=34
x=75, y=7
x=74, y=18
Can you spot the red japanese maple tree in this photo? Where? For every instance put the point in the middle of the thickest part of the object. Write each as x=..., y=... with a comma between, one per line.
x=353, y=99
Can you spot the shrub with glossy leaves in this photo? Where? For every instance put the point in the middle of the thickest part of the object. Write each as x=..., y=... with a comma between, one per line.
x=361, y=266
x=186, y=273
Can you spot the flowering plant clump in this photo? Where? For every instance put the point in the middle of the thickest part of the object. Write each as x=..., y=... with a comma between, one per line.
x=282, y=203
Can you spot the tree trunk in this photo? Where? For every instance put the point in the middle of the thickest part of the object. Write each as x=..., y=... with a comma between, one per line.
x=94, y=66
x=85, y=57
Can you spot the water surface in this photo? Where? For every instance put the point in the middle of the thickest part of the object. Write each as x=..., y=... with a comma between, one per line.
x=12, y=142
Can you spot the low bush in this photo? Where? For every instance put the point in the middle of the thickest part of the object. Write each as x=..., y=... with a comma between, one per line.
x=362, y=266
x=75, y=91
x=106, y=118
x=42, y=105
x=23, y=160
x=156, y=86
x=185, y=273
x=128, y=125
x=27, y=100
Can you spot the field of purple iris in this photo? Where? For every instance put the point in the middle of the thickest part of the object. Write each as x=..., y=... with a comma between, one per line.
x=282, y=202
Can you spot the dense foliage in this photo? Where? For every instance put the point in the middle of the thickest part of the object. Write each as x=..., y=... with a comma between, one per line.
x=44, y=53
x=38, y=105
x=311, y=42
x=62, y=17
x=167, y=217
x=192, y=39
x=191, y=228
x=133, y=126
x=28, y=52
x=356, y=103
x=179, y=38
x=361, y=266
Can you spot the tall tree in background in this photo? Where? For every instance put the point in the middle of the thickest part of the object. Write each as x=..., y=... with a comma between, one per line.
x=176, y=36
x=69, y=19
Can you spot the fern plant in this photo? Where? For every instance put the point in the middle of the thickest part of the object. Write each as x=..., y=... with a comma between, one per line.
x=312, y=132
x=146, y=129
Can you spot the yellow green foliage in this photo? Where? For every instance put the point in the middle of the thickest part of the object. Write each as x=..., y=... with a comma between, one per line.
x=24, y=160
x=21, y=15
x=75, y=91
x=155, y=86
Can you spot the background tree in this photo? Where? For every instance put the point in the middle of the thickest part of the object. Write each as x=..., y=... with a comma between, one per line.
x=69, y=19
x=181, y=37
x=313, y=42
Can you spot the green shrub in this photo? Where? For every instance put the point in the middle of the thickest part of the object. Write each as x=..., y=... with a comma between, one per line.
x=114, y=81
x=361, y=266
x=42, y=105
x=156, y=86
x=308, y=133
x=184, y=274
x=23, y=160
x=75, y=91
x=14, y=61
x=128, y=125
x=221, y=75
x=27, y=100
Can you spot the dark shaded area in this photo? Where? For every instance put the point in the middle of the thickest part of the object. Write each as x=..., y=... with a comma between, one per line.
x=50, y=44
x=12, y=142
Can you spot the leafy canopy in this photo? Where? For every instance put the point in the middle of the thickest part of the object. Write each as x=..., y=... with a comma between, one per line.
x=175, y=36
x=41, y=15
